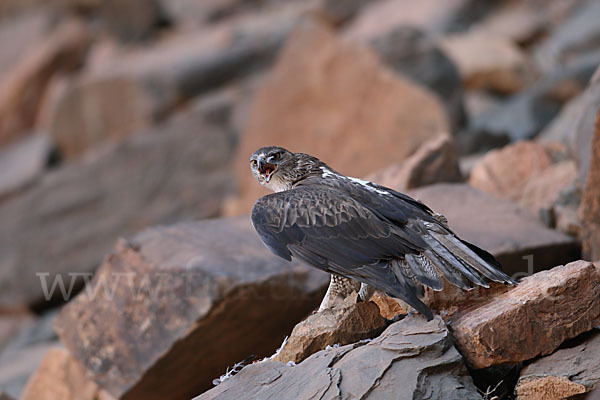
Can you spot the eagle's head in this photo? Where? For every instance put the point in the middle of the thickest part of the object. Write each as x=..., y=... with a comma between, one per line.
x=279, y=169
x=274, y=167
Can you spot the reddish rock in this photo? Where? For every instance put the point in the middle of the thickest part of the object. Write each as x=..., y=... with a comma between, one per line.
x=505, y=172
x=61, y=377
x=388, y=306
x=341, y=325
x=70, y=218
x=194, y=299
x=410, y=359
x=568, y=371
x=532, y=319
x=340, y=105
x=521, y=243
x=589, y=211
x=434, y=162
x=62, y=50
x=488, y=61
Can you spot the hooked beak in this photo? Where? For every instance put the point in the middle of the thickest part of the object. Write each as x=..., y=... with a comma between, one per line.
x=266, y=169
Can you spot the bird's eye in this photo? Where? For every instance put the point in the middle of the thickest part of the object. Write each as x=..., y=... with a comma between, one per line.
x=253, y=163
x=274, y=156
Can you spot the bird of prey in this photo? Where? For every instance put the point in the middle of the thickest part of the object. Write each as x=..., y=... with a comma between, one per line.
x=360, y=230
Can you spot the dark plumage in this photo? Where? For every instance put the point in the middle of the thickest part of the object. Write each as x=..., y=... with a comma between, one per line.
x=361, y=230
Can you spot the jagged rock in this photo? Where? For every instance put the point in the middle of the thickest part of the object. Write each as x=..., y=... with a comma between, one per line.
x=573, y=37
x=574, y=126
x=379, y=117
x=524, y=115
x=344, y=324
x=434, y=162
x=62, y=50
x=23, y=162
x=589, y=210
x=568, y=371
x=188, y=308
x=413, y=54
x=67, y=221
x=532, y=319
x=505, y=172
x=411, y=359
x=512, y=234
x=488, y=61
x=60, y=377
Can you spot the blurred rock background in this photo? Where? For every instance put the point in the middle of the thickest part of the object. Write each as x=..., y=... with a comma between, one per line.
x=125, y=130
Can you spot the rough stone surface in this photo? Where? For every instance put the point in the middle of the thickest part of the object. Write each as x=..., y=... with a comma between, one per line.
x=532, y=319
x=488, y=61
x=505, y=172
x=60, y=376
x=589, y=210
x=566, y=372
x=341, y=94
x=62, y=50
x=411, y=359
x=434, y=162
x=23, y=162
x=341, y=325
x=72, y=216
x=183, y=288
x=512, y=234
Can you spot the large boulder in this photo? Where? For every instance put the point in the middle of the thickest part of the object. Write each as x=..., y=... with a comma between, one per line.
x=341, y=105
x=533, y=318
x=70, y=218
x=186, y=302
x=521, y=243
x=411, y=359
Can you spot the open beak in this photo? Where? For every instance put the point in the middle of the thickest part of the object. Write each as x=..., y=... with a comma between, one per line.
x=267, y=170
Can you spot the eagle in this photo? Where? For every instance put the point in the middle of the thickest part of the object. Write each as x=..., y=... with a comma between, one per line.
x=359, y=231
